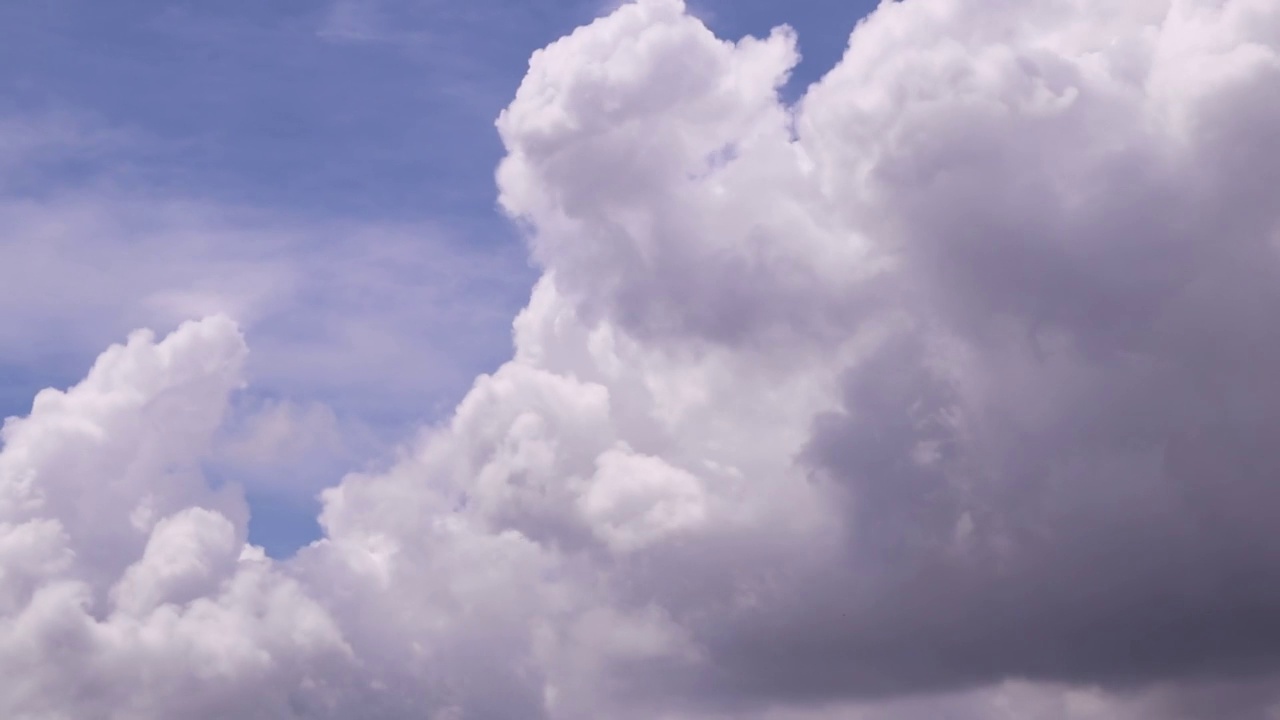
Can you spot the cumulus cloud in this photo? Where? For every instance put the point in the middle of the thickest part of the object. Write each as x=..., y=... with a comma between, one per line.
x=946, y=392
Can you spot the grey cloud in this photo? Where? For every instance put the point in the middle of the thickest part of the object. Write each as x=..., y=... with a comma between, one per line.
x=1066, y=470
x=1060, y=469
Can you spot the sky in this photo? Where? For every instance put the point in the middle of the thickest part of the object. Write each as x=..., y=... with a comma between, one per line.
x=648, y=360
x=361, y=129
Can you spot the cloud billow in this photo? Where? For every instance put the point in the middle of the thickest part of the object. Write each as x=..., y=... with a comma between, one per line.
x=948, y=391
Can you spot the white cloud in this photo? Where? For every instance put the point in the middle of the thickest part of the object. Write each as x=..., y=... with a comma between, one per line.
x=185, y=557
x=634, y=500
x=123, y=591
x=947, y=393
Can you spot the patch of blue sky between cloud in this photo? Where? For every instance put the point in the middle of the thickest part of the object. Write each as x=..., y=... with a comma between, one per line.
x=822, y=26
x=324, y=172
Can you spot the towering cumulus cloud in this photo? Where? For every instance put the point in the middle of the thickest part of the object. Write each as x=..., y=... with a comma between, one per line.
x=950, y=391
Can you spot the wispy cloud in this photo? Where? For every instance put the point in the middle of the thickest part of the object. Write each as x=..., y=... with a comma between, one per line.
x=377, y=322
x=368, y=21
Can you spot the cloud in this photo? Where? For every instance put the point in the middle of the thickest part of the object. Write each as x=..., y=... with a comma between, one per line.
x=102, y=260
x=946, y=392
x=33, y=145
x=351, y=21
x=326, y=305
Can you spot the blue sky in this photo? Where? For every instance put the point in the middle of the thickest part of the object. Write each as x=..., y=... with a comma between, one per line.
x=328, y=139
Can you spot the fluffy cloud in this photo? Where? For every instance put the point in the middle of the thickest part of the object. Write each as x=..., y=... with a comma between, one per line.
x=127, y=591
x=947, y=392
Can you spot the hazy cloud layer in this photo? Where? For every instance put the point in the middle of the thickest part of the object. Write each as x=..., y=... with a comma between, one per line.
x=947, y=392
